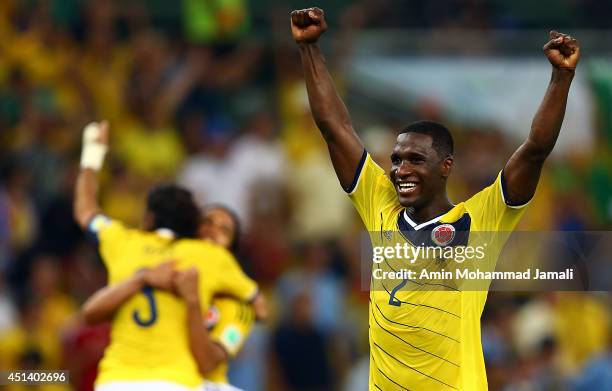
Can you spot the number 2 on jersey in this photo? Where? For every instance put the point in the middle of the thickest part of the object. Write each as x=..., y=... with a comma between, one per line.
x=148, y=292
x=392, y=299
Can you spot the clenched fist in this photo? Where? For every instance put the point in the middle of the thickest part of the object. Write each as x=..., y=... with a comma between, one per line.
x=562, y=51
x=308, y=25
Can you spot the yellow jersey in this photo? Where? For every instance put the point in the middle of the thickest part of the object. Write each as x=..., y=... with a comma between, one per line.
x=426, y=335
x=149, y=335
x=230, y=322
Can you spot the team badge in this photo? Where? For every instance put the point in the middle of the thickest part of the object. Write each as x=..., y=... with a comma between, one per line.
x=212, y=317
x=443, y=234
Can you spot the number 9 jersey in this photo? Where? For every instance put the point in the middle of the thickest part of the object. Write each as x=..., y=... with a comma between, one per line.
x=149, y=334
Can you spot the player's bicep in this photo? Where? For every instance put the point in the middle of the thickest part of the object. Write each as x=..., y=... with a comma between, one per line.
x=521, y=175
x=346, y=151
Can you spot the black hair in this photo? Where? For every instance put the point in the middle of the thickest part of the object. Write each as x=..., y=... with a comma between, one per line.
x=235, y=242
x=174, y=208
x=441, y=136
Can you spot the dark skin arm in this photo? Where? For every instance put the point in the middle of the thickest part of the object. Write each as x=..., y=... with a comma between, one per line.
x=329, y=112
x=522, y=171
x=86, y=190
x=260, y=306
x=207, y=354
x=102, y=306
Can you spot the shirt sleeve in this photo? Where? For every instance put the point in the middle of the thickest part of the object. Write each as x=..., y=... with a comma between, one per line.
x=233, y=281
x=235, y=321
x=490, y=211
x=111, y=235
x=371, y=191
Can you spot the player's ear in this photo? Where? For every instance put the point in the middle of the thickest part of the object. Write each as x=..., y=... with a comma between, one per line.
x=447, y=165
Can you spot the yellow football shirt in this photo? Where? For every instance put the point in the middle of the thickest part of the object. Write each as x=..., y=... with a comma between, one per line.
x=149, y=335
x=230, y=323
x=426, y=336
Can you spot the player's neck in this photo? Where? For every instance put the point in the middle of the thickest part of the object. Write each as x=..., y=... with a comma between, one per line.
x=430, y=211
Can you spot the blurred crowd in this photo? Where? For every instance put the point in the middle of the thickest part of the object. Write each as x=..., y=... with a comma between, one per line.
x=201, y=94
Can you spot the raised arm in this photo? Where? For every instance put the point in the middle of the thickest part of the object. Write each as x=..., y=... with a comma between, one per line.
x=522, y=171
x=206, y=353
x=328, y=110
x=95, y=145
x=102, y=305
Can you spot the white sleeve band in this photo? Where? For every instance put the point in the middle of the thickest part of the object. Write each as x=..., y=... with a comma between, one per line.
x=92, y=155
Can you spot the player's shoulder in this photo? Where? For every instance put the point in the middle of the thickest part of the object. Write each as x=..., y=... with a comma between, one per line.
x=206, y=249
x=103, y=226
x=457, y=212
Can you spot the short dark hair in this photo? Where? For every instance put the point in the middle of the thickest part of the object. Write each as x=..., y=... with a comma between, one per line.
x=441, y=136
x=173, y=207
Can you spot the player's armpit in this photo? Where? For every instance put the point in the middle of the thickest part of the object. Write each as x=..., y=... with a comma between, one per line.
x=218, y=353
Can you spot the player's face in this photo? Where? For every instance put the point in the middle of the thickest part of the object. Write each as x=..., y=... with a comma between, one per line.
x=218, y=226
x=417, y=172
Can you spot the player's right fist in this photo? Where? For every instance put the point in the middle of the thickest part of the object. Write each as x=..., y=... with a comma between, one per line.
x=308, y=25
x=95, y=145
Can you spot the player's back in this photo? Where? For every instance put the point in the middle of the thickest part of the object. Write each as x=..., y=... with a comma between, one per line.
x=149, y=335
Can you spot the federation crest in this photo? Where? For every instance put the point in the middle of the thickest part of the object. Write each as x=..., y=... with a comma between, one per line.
x=443, y=234
x=212, y=317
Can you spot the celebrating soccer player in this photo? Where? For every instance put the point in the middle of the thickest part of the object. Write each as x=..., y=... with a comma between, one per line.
x=150, y=347
x=229, y=320
x=428, y=339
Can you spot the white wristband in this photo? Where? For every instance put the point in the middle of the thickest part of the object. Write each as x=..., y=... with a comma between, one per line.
x=92, y=155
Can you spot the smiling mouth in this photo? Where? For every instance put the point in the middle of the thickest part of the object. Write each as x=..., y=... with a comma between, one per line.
x=406, y=188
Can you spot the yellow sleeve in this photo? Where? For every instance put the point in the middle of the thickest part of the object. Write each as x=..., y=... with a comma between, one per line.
x=232, y=279
x=112, y=236
x=371, y=191
x=489, y=210
x=235, y=321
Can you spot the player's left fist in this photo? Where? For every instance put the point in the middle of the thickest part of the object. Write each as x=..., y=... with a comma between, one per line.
x=562, y=51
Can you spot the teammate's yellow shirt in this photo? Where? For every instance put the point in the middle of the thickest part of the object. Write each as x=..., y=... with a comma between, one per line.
x=230, y=323
x=426, y=337
x=149, y=334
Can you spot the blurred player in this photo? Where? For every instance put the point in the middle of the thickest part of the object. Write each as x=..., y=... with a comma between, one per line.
x=229, y=320
x=428, y=340
x=150, y=346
